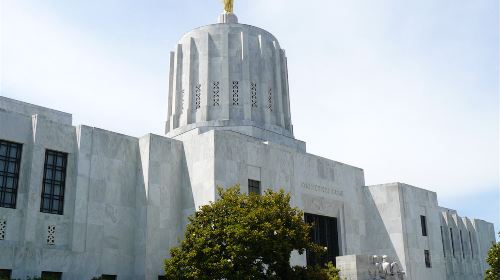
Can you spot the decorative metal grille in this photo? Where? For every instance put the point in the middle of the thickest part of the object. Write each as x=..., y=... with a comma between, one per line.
x=236, y=92
x=3, y=229
x=270, y=100
x=54, y=179
x=51, y=235
x=10, y=162
x=253, y=94
x=216, y=92
x=197, y=97
x=181, y=101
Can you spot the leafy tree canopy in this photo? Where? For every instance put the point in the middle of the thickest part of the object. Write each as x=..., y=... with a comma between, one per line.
x=244, y=236
x=493, y=259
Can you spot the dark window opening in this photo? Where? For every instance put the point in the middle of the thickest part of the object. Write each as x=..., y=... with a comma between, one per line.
x=54, y=178
x=423, y=223
x=462, y=244
x=427, y=255
x=5, y=274
x=10, y=163
x=442, y=242
x=50, y=275
x=108, y=277
x=253, y=187
x=452, y=242
x=471, y=247
x=162, y=277
x=324, y=232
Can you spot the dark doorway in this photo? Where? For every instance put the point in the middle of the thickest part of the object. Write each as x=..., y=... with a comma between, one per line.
x=324, y=233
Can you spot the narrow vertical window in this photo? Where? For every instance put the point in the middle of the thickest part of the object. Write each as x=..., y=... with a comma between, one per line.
x=236, y=93
x=462, y=244
x=452, y=242
x=10, y=162
x=423, y=223
x=427, y=256
x=253, y=186
x=442, y=241
x=270, y=100
x=216, y=93
x=253, y=94
x=197, y=97
x=471, y=247
x=54, y=180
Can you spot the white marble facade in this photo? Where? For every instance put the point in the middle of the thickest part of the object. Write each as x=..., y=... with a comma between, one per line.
x=127, y=199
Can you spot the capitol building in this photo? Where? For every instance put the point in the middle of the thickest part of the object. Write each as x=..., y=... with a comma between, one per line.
x=78, y=202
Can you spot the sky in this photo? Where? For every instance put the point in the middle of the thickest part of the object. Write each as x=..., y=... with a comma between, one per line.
x=406, y=90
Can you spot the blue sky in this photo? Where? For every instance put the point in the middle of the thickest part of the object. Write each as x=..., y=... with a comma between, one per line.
x=406, y=90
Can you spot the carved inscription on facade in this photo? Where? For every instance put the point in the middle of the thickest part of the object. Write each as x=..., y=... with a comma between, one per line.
x=321, y=189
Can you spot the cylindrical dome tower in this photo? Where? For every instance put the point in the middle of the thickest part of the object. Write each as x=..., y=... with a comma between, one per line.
x=229, y=76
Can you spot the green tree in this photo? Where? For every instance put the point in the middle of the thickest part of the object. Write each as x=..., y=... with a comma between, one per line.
x=493, y=259
x=244, y=236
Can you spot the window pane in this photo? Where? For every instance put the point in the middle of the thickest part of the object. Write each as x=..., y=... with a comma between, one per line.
x=57, y=190
x=48, y=174
x=47, y=189
x=11, y=167
x=3, y=149
x=9, y=183
x=58, y=176
x=60, y=161
x=50, y=160
x=13, y=152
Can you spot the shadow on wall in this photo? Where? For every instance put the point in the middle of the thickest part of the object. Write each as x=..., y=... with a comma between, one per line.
x=377, y=240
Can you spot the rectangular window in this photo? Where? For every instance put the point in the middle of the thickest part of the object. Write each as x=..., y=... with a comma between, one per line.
x=471, y=247
x=452, y=242
x=423, y=223
x=161, y=277
x=442, y=241
x=108, y=277
x=253, y=187
x=427, y=255
x=54, y=178
x=10, y=163
x=5, y=274
x=462, y=244
x=324, y=232
x=51, y=275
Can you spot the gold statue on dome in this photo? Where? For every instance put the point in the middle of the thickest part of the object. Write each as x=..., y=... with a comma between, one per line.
x=228, y=6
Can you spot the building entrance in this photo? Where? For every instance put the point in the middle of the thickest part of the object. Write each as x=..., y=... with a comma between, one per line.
x=325, y=234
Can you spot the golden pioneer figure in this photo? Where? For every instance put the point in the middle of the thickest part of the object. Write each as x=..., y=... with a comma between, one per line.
x=228, y=6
